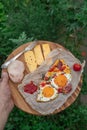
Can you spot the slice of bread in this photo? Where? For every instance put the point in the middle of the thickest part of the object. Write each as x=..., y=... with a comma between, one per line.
x=30, y=60
x=38, y=54
x=46, y=50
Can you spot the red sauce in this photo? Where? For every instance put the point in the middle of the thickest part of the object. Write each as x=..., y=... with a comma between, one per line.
x=30, y=88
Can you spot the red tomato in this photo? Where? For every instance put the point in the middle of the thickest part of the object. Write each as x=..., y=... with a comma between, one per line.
x=51, y=69
x=77, y=67
x=43, y=84
x=60, y=90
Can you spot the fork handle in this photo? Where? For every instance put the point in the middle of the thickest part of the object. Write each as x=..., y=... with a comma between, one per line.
x=18, y=55
x=13, y=59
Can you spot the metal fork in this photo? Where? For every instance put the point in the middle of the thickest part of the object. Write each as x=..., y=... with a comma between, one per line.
x=28, y=48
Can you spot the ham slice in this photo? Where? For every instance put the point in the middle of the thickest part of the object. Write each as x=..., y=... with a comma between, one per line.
x=15, y=71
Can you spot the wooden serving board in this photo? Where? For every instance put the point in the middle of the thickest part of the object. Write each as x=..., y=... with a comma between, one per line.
x=19, y=100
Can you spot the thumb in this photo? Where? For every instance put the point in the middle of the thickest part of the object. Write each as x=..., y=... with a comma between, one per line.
x=4, y=77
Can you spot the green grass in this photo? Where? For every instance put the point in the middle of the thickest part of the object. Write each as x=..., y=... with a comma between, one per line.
x=73, y=118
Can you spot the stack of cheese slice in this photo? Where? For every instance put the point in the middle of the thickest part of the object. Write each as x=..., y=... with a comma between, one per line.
x=36, y=56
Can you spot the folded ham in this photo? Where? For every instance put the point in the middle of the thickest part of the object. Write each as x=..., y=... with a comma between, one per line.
x=15, y=71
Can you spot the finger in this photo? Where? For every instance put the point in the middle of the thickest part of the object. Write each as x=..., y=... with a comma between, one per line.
x=4, y=77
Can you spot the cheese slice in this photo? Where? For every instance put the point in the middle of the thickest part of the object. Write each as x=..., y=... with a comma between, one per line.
x=30, y=60
x=46, y=50
x=38, y=54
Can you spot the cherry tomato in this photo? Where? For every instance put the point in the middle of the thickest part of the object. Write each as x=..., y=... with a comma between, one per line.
x=77, y=67
x=60, y=90
x=43, y=84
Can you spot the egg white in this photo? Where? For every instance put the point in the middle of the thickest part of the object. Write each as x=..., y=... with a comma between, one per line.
x=53, y=83
x=44, y=99
x=68, y=76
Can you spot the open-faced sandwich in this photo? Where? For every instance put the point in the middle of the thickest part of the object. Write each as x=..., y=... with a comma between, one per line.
x=56, y=80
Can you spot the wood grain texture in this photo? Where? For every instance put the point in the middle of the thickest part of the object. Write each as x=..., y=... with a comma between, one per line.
x=19, y=100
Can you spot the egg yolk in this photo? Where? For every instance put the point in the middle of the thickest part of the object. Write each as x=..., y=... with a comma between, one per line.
x=48, y=91
x=60, y=80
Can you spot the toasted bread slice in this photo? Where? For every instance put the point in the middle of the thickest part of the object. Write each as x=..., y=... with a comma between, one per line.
x=38, y=55
x=30, y=60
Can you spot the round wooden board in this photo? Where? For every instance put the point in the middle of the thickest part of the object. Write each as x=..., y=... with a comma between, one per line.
x=19, y=100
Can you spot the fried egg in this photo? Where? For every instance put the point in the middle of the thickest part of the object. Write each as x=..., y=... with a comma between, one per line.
x=61, y=80
x=47, y=93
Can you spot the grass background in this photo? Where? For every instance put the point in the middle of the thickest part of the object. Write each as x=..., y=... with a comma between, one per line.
x=64, y=22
